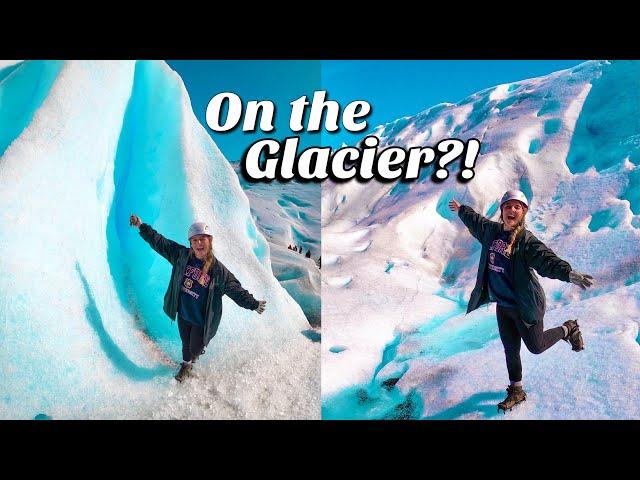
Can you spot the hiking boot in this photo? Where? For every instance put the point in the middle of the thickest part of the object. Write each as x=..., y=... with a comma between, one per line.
x=574, y=336
x=185, y=370
x=515, y=395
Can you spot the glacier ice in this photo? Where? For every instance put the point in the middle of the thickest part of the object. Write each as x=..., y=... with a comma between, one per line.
x=570, y=141
x=289, y=214
x=88, y=339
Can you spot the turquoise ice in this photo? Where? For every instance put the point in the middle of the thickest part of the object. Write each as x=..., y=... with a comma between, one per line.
x=83, y=145
x=570, y=141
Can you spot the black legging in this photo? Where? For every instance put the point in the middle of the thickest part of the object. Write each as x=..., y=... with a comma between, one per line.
x=512, y=329
x=192, y=341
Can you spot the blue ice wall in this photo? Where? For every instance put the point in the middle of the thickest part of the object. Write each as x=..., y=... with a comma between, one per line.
x=29, y=84
x=150, y=181
x=608, y=128
x=6, y=71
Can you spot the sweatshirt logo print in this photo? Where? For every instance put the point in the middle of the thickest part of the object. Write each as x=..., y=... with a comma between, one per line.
x=195, y=273
x=498, y=246
x=191, y=274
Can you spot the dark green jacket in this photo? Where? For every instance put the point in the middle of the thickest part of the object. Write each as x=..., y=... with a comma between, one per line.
x=528, y=254
x=222, y=282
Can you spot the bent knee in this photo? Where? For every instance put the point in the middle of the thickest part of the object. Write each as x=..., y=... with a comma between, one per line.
x=536, y=349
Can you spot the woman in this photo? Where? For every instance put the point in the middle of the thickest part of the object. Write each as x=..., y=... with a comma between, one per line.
x=198, y=282
x=510, y=252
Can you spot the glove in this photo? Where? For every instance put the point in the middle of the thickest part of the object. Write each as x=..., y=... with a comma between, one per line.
x=581, y=279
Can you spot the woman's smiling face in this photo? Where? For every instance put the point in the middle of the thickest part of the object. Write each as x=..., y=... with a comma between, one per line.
x=512, y=212
x=201, y=245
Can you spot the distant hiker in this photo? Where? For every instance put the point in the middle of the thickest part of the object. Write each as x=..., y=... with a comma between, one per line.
x=289, y=247
x=295, y=249
x=308, y=255
x=320, y=262
x=300, y=249
x=198, y=282
x=510, y=252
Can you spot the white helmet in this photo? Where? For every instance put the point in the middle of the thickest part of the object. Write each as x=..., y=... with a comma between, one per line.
x=199, y=228
x=514, y=195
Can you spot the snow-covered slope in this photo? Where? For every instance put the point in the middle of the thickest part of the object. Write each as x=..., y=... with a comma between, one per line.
x=81, y=321
x=399, y=266
x=289, y=214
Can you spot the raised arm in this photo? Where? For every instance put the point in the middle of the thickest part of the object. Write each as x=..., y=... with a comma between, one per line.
x=548, y=264
x=476, y=223
x=541, y=258
x=234, y=289
x=165, y=247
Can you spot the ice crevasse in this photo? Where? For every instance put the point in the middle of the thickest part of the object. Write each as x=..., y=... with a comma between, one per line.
x=82, y=331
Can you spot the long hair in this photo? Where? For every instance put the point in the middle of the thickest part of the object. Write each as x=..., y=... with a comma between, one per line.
x=208, y=261
x=515, y=233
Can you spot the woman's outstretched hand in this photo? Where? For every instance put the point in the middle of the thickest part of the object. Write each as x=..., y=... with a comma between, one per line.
x=581, y=279
x=261, y=306
x=135, y=221
x=454, y=206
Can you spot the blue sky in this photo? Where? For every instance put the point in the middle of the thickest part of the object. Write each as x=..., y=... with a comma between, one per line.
x=399, y=88
x=280, y=81
x=394, y=88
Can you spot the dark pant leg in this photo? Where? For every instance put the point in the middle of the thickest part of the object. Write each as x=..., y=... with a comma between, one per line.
x=536, y=338
x=185, y=329
x=196, y=341
x=510, y=337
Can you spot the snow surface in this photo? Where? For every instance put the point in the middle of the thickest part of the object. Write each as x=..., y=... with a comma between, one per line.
x=396, y=341
x=88, y=339
x=288, y=213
